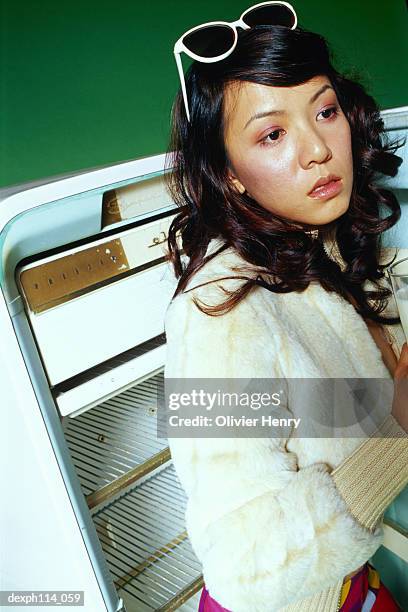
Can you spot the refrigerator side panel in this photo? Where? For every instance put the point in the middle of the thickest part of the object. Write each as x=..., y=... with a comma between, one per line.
x=42, y=542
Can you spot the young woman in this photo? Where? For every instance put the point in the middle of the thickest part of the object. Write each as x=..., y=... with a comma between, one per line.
x=274, y=158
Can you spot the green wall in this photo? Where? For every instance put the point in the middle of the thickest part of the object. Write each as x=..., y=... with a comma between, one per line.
x=89, y=83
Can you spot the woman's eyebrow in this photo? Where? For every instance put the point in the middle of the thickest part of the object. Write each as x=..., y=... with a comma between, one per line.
x=282, y=112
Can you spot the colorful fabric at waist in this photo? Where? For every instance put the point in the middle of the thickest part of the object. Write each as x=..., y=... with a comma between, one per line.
x=363, y=592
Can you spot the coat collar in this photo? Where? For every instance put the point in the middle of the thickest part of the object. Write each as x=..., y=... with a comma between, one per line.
x=221, y=266
x=332, y=250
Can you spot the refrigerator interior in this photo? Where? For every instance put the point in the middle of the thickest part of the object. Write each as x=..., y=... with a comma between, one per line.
x=85, y=285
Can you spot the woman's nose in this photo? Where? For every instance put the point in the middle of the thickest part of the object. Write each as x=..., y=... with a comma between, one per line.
x=313, y=148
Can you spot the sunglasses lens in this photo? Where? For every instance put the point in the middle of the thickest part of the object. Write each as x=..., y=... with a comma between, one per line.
x=210, y=41
x=274, y=14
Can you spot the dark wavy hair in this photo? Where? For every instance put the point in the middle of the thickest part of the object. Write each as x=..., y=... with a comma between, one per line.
x=210, y=207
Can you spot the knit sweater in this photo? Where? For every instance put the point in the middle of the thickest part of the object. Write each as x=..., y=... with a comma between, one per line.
x=277, y=523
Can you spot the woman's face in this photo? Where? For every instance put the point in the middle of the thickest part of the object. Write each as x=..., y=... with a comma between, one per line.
x=281, y=140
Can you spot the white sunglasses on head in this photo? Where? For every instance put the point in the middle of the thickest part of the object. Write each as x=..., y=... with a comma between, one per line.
x=224, y=35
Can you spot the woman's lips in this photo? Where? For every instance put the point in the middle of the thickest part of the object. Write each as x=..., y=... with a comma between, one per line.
x=325, y=192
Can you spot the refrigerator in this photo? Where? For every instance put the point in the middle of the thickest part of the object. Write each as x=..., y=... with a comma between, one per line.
x=92, y=511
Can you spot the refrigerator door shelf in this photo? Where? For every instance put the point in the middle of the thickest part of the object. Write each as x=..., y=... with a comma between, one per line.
x=83, y=396
x=89, y=304
x=89, y=330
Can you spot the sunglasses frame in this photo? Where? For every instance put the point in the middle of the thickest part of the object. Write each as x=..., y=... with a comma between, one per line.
x=179, y=46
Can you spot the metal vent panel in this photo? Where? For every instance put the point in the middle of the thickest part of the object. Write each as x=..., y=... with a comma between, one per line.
x=146, y=546
x=116, y=436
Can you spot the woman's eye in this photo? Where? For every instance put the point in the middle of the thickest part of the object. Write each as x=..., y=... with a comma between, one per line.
x=328, y=114
x=333, y=110
x=274, y=136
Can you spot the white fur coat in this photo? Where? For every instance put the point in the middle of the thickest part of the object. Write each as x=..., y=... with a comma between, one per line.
x=264, y=515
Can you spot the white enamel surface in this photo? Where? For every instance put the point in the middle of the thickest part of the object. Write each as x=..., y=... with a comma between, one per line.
x=86, y=331
x=102, y=387
x=41, y=538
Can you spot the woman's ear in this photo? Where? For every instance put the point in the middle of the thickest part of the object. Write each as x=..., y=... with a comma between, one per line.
x=237, y=185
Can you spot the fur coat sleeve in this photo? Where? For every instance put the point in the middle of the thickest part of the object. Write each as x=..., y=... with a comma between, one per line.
x=266, y=532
